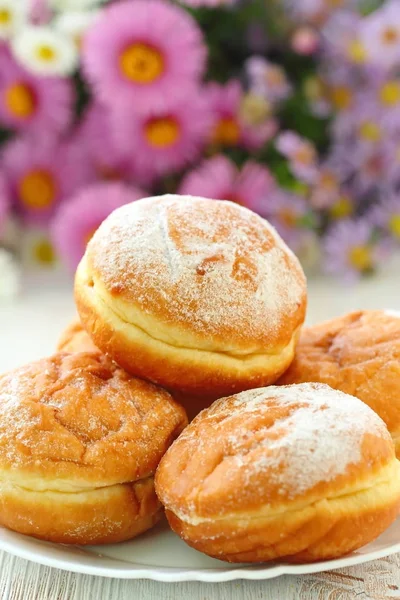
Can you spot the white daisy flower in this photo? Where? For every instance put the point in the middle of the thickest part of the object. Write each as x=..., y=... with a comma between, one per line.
x=65, y=5
x=13, y=16
x=75, y=24
x=10, y=275
x=45, y=51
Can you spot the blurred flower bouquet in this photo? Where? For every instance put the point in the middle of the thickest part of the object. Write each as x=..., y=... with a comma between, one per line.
x=290, y=107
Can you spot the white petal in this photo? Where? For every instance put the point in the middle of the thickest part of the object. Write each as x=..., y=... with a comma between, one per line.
x=27, y=44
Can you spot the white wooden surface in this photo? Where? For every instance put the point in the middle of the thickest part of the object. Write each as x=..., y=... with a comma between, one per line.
x=29, y=326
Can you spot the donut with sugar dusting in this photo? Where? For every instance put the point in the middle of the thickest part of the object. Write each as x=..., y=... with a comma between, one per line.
x=359, y=354
x=302, y=472
x=75, y=339
x=80, y=441
x=200, y=296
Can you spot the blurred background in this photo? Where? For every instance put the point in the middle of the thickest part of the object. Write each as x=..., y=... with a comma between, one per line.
x=288, y=107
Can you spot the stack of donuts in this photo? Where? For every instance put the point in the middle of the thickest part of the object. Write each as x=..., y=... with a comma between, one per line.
x=191, y=309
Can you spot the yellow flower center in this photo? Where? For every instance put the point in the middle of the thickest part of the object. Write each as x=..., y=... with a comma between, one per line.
x=357, y=52
x=390, y=35
x=46, y=53
x=342, y=208
x=360, y=257
x=141, y=63
x=328, y=181
x=370, y=131
x=162, y=132
x=304, y=155
x=314, y=88
x=20, y=100
x=44, y=253
x=37, y=190
x=390, y=93
x=394, y=225
x=254, y=109
x=341, y=97
x=334, y=3
x=288, y=217
x=5, y=16
x=275, y=76
x=226, y=132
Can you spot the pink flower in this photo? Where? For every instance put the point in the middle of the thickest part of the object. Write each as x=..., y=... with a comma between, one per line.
x=147, y=52
x=76, y=220
x=41, y=172
x=33, y=103
x=165, y=139
x=267, y=79
x=285, y=212
x=305, y=41
x=96, y=136
x=380, y=33
x=229, y=128
x=220, y=179
x=40, y=12
x=301, y=154
x=351, y=250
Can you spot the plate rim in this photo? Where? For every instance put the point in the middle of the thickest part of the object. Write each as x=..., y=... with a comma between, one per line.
x=185, y=574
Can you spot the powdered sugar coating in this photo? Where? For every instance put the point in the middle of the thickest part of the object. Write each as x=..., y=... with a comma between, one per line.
x=209, y=265
x=272, y=442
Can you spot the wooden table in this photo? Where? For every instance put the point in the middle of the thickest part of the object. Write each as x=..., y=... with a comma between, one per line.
x=40, y=313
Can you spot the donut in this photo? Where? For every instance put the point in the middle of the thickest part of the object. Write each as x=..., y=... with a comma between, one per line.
x=75, y=339
x=358, y=353
x=80, y=441
x=197, y=295
x=301, y=473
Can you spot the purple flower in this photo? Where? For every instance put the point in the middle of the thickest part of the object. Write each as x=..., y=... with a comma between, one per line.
x=351, y=251
x=147, y=52
x=380, y=33
x=386, y=215
x=42, y=172
x=285, y=211
x=220, y=179
x=267, y=79
x=76, y=220
x=301, y=154
x=31, y=103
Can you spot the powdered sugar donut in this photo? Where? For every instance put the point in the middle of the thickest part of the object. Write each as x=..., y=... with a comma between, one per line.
x=303, y=472
x=358, y=353
x=201, y=296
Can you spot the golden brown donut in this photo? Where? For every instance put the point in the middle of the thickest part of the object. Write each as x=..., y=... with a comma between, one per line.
x=301, y=472
x=200, y=296
x=359, y=354
x=75, y=339
x=80, y=441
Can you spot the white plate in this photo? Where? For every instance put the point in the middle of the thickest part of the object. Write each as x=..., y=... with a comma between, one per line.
x=160, y=555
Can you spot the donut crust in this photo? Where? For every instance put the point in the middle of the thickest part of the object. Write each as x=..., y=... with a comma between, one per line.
x=80, y=441
x=359, y=354
x=228, y=495
x=205, y=312
x=75, y=339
